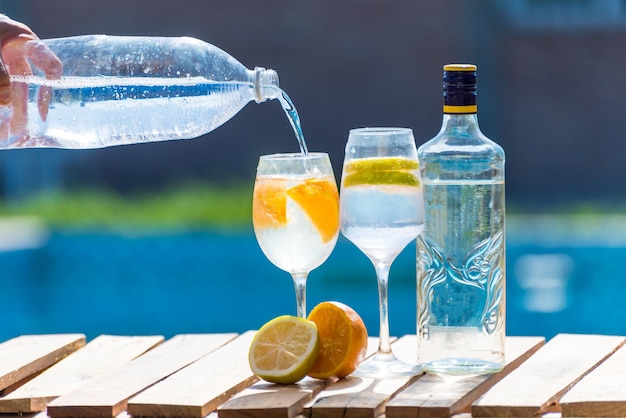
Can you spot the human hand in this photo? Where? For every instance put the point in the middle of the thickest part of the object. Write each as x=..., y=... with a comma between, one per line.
x=14, y=60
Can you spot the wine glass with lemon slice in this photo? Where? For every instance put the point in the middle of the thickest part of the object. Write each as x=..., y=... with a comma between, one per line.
x=295, y=213
x=381, y=211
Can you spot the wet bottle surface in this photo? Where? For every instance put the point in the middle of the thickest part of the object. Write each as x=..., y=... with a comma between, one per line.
x=117, y=90
x=461, y=253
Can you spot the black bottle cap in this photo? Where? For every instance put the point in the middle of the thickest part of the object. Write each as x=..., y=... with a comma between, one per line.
x=459, y=88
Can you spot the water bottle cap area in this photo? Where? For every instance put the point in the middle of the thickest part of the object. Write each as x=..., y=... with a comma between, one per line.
x=266, y=84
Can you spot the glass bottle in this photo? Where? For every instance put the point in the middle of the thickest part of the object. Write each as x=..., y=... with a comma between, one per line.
x=461, y=253
x=115, y=90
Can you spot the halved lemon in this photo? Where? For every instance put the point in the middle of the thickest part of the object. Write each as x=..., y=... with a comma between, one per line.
x=284, y=349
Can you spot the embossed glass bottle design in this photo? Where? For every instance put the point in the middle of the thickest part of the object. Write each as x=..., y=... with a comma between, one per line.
x=461, y=269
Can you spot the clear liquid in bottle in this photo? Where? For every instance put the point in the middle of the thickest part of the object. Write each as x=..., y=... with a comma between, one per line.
x=461, y=253
x=116, y=90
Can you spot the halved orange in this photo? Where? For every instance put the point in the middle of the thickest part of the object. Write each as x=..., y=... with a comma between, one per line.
x=319, y=199
x=343, y=340
x=269, y=203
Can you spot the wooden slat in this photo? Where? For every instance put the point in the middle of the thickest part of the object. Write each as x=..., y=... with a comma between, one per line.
x=354, y=397
x=99, y=356
x=268, y=400
x=602, y=393
x=362, y=397
x=536, y=385
x=22, y=357
x=436, y=396
x=107, y=395
x=199, y=388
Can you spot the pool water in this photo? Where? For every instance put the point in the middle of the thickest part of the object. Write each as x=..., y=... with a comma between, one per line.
x=210, y=281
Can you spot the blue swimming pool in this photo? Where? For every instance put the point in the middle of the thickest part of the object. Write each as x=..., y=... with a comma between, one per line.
x=210, y=281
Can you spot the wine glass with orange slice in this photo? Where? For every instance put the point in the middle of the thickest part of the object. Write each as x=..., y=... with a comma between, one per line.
x=295, y=213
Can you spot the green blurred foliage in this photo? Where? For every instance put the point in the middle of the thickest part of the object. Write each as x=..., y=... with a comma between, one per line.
x=190, y=206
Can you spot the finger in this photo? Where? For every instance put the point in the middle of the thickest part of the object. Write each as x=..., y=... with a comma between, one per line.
x=14, y=54
x=19, y=51
x=6, y=113
x=13, y=35
x=10, y=29
x=14, y=58
x=5, y=85
x=43, y=101
x=19, y=121
x=43, y=58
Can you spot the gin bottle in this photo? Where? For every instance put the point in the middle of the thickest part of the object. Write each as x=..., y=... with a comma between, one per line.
x=461, y=253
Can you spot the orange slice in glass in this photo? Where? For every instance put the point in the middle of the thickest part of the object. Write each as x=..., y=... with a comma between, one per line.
x=319, y=199
x=269, y=204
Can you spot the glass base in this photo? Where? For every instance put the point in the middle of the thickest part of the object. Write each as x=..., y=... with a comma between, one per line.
x=386, y=366
x=461, y=367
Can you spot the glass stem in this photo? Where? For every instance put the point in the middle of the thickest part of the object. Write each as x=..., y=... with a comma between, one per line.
x=299, y=281
x=382, y=273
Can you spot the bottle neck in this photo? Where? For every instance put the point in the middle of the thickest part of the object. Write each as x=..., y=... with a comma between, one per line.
x=460, y=124
x=266, y=84
x=459, y=95
x=469, y=106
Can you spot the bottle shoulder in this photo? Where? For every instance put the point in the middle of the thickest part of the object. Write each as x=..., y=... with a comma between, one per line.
x=461, y=137
x=460, y=153
x=477, y=148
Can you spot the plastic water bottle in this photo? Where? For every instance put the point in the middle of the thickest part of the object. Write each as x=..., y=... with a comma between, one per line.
x=117, y=90
x=461, y=252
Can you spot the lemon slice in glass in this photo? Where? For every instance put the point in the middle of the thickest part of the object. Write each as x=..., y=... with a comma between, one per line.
x=381, y=171
x=284, y=349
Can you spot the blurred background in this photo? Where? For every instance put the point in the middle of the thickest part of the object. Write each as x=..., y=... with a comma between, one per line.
x=156, y=238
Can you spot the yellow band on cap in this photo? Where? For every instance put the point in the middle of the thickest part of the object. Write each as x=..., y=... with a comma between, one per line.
x=460, y=109
x=459, y=67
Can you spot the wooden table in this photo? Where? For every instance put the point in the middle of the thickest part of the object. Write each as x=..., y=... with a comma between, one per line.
x=197, y=375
